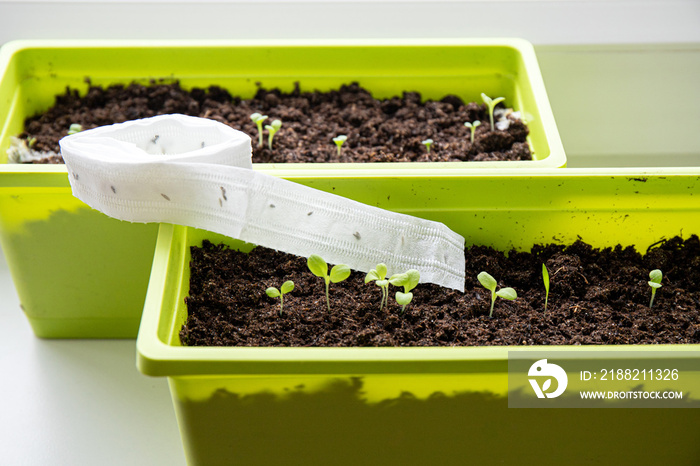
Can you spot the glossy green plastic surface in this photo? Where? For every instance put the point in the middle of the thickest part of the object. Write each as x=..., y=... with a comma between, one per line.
x=422, y=405
x=81, y=275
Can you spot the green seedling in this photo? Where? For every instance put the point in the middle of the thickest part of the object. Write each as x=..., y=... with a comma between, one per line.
x=319, y=267
x=472, y=127
x=655, y=277
x=491, y=104
x=545, y=279
x=258, y=120
x=339, y=142
x=378, y=276
x=272, y=130
x=490, y=283
x=75, y=128
x=427, y=143
x=273, y=292
x=409, y=280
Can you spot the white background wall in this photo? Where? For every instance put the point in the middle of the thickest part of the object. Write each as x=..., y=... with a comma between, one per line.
x=84, y=403
x=539, y=21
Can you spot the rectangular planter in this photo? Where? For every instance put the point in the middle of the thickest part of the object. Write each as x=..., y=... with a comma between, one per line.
x=81, y=275
x=445, y=405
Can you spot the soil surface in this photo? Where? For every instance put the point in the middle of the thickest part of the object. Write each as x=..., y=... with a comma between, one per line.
x=389, y=130
x=596, y=297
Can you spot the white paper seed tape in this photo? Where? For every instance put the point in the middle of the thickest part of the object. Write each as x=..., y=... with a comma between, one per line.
x=198, y=172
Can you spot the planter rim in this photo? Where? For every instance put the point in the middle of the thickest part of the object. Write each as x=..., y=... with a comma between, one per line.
x=159, y=359
x=16, y=175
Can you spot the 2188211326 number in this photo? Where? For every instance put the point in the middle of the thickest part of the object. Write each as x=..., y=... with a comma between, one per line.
x=639, y=374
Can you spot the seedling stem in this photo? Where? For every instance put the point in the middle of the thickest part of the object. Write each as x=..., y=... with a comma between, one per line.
x=472, y=128
x=545, y=279
x=258, y=119
x=408, y=281
x=491, y=104
x=339, y=140
x=318, y=266
x=273, y=292
x=488, y=282
x=272, y=130
x=655, y=277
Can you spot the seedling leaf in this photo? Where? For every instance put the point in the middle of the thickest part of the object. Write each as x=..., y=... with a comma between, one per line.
x=398, y=279
x=258, y=119
x=491, y=104
x=412, y=279
x=408, y=281
x=490, y=283
x=75, y=128
x=371, y=276
x=545, y=279
x=656, y=276
x=403, y=298
x=287, y=286
x=507, y=293
x=339, y=140
x=339, y=273
x=272, y=130
x=472, y=128
x=487, y=281
x=378, y=276
x=317, y=266
x=273, y=292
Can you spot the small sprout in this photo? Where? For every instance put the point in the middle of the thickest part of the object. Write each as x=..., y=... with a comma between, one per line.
x=319, y=267
x=491, y=104
x=655, y=283
x=378, y=276
x=272, y=130
x=427, y=143
x=75, y=128
x=273, y=292
x=489, y=283
x=545, y=278
x=409, y=281
x=258, y=120
x=472, y=127
x=339, y=141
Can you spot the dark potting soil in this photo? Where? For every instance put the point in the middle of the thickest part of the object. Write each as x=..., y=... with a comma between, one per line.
x=388, y=130
x=596, y=297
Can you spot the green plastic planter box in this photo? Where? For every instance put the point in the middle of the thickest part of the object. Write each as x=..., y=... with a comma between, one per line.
x=406, y=406
x=82, y=275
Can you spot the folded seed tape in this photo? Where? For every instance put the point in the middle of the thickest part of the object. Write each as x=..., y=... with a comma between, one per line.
x=198, y=172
